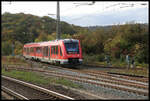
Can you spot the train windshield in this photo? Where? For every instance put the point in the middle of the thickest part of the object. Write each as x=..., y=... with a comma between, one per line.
x=72, y=47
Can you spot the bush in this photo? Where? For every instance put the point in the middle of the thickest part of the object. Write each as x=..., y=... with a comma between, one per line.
x=93, y=58
x=6, y=48
x=101, y=57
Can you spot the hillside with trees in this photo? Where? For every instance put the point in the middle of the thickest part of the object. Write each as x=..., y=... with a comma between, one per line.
x=116, y=41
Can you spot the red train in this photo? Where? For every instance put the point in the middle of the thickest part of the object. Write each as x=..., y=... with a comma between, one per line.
x=64, y=51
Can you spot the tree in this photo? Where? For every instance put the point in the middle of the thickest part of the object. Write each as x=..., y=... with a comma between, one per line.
x=6, y=48
x=42, y=37
x=18, y=48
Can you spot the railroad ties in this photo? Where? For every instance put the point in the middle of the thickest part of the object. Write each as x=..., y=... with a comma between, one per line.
x=99, y=79
x=23, y=90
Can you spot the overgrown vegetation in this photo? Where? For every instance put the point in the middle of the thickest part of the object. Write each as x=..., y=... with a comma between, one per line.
x=33, y=77
x=138, y=72
x=116, y=41
x=13, y=60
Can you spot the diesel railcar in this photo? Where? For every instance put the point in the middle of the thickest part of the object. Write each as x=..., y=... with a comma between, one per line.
x=64, y=51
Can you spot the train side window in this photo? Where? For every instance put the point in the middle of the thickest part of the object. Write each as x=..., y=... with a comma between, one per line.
x=49, y=51
x=52, y=50
x=38, y=50
x=60, y=52
x=32, y=50
x=45, y=51
x=56, y=49
x=27, y=50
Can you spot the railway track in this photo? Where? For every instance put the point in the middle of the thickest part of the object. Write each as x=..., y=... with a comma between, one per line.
x=136, y=85
x=117, y=75
x=114, y=83
x=12, y=95
x=100, y=74
x=24, y=90
x=130, y=77
x=109, y=79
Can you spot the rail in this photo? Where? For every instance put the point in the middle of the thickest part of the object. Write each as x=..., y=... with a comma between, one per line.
x=58, y=95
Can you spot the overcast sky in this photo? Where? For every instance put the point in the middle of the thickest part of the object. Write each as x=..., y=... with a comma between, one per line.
x=100, y=13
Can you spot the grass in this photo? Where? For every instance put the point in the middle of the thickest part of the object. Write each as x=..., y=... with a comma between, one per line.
x=26, y=76
x=99, y=60
x=139, y=72
x=33, y=77
x=36, y=78
x=94, y=60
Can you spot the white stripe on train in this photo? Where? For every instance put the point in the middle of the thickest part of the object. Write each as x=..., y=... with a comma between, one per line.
x=62, y=61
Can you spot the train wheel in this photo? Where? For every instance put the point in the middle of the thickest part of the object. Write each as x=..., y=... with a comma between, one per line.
x=57, y=63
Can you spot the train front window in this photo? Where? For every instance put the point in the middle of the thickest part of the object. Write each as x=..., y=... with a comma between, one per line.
x=72, y=47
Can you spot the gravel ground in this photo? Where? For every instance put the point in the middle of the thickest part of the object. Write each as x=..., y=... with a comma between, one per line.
x=86, y=75
x=109, y=92
x=103, y=92
x=71, y=92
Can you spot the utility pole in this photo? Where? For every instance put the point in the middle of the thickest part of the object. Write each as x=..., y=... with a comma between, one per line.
x=58, y=22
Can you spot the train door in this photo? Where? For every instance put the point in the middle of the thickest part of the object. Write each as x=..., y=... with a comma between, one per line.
x=45, y=52
x=49, y=51
x=52, y=52
x=56, y=52
x=60, y=52
x=34, y=52
x=42, y=52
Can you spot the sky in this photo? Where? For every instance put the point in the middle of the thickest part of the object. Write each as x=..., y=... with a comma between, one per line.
x=80, y=13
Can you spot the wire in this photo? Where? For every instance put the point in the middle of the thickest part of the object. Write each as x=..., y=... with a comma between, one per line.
x=93, y=2
x=128, y=5
x=79, y=4
x=68, y=9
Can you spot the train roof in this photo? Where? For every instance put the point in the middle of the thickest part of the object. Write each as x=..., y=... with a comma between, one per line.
x=48, y=42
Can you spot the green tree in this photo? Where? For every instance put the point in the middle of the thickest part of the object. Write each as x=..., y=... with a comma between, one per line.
x=6, y=48
x=18, y=48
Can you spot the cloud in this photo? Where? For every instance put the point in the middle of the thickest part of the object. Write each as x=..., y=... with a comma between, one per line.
x=82, y=15
x=109, y=18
